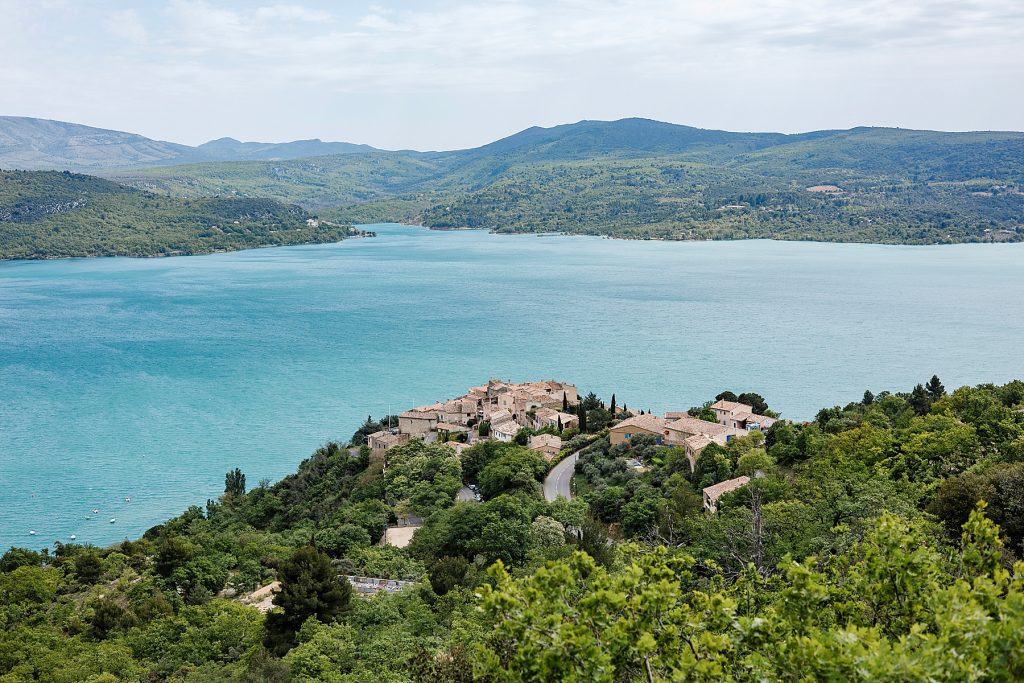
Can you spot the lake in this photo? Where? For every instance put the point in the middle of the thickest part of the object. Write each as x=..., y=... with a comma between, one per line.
x=149, y=379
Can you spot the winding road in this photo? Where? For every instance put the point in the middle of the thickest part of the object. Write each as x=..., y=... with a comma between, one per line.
x=559, y=479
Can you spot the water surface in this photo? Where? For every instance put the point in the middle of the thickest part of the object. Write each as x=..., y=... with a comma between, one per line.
x=149, y=379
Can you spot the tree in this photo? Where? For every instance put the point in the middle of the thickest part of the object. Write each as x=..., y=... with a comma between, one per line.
x=234, y=483
x=88, y=566
x=935, y=389
x=611, y=407
x=920, y=400
x=310, y=587
x=755, y=401
x=340, y=540
x=726, y=396
x=447, y=572
x=582, y=414
x=590, y=401
x=868, y=399
x=484, y=428
x=515, y=469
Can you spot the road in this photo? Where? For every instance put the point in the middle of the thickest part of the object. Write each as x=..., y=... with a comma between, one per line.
x=559, y=479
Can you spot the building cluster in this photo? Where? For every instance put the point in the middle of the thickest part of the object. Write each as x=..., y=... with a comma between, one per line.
x=680, y=429
x=506, y=407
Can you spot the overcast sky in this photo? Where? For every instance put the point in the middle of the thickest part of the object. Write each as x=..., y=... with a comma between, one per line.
x=444, y=74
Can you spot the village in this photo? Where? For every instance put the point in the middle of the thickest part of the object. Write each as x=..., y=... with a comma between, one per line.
x=543, y=413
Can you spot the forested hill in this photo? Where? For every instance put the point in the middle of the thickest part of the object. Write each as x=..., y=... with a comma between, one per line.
x=642, y=178
x=879, y=542
x=46, y=214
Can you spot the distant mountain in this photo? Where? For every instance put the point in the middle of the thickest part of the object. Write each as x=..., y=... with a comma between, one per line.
x=229, y=149
x=41, y=144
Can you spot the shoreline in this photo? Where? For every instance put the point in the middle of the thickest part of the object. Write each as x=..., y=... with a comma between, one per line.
x=12, y=259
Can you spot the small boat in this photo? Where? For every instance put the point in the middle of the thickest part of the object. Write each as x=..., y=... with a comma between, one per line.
x=127, y=499
x=113, y=519
x=32, y=533
x=95, y=511
x=73, y=537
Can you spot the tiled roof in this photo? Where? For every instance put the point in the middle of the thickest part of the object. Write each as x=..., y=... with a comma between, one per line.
x=731, y=406
x=651, y=423
x=691, y=425
x=716, y=491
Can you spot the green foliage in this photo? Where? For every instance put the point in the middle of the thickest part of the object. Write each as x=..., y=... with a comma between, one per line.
x=515, y=469
x=310, y=588
x=49, y=215
x=422, y=478
x=894, y=609
x=866, y=550
x=234, y=482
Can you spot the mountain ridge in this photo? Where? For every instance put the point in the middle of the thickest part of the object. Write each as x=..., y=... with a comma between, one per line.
x=34, y=144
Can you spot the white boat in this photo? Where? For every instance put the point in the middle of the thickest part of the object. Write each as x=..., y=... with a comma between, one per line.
x=113, y=519
x=95, y=511
x=73, y=537
x=32, y=533
x=127, y=499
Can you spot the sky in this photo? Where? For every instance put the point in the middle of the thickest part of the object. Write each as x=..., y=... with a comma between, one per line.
x=448, y=74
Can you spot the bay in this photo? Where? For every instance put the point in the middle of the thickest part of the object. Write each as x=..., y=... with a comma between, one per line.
x=148, y=379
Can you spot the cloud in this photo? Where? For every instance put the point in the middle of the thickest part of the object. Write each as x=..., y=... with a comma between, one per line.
x=127, y=25
x=501, y=64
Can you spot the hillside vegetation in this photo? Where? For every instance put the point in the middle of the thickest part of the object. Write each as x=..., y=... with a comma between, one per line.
x=640, y=178
x=880, y=542
x=59, y=214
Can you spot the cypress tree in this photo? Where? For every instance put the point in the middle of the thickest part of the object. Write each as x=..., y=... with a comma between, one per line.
x=583, y=421
x=612, y=408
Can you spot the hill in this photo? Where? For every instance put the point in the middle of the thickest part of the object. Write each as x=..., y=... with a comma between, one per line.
x=646, y=179
x=49, y=214
x=40, y=144
x=878, y=542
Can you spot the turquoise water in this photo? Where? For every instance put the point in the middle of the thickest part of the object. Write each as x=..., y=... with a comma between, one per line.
x=149, y=379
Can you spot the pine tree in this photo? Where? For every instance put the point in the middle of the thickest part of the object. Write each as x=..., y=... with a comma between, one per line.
x=310, y=587
x=935, y=388
x=869, y=398
x=234, y=483
x=919, y=400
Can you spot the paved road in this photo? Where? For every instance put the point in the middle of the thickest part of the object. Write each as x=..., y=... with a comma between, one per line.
x=559, y=479
x=465, y=495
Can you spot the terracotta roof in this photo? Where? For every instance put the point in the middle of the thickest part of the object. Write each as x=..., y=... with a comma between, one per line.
x=692, y=425
x=499, y=416
x=651, y=423
x=419, y=414
x=718, y=490
x=545, y=440
x=697, y=442
x=510, y=427
x=676, y=414
x=731, y=406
